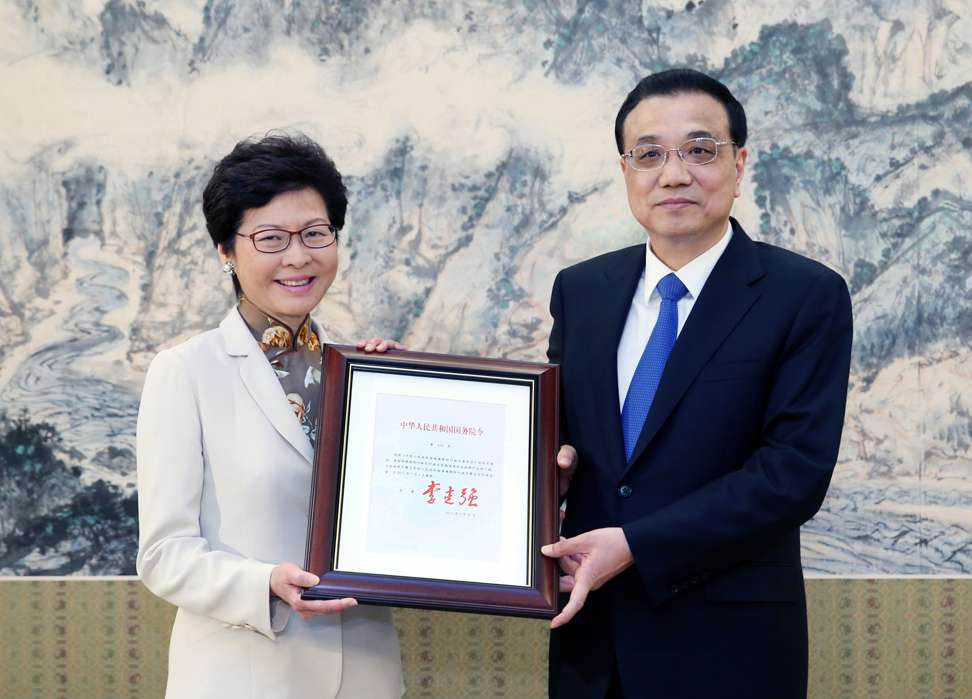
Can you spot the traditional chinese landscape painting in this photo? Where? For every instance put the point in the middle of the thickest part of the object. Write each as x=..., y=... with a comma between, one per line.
x=477, y=143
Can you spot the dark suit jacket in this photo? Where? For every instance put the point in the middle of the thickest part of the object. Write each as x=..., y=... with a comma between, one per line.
x=736, y=453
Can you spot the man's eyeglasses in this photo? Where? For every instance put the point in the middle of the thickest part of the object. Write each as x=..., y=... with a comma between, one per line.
x=320, y=235
x=695, y=151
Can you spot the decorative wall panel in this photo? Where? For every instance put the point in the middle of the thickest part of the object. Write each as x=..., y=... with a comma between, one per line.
x=880, y=639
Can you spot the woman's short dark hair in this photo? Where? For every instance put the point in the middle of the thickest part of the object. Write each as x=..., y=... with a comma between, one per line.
x=679, y=81
x=256, y=171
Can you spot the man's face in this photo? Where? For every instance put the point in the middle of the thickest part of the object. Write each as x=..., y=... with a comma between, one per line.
x=679, y=202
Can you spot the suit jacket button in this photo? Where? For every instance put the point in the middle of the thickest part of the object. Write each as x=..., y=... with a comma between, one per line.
x=625, y=491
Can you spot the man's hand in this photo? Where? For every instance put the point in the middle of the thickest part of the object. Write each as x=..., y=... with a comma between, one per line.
x=376, y=344
x=567, y=463
x=590, y=560
x=287, y=580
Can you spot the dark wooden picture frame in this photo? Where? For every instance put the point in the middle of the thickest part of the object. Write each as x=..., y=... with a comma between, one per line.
x=539, y=598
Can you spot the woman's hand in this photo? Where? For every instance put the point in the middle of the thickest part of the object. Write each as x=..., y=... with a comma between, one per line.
x=376, y=344
x=288, y=580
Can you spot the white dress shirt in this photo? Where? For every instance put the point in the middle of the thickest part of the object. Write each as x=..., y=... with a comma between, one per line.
x=646, y=303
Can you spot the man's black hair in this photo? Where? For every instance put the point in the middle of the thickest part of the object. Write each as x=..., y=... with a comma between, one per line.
x=679, y=81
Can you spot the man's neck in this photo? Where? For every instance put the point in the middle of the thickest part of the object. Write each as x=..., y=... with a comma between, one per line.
x=678, y=251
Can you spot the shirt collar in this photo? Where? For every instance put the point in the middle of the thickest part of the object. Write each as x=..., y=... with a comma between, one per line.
x=693, y=275
x=272, y=332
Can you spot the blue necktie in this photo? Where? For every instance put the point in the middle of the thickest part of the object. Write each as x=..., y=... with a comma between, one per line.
x=648, y=374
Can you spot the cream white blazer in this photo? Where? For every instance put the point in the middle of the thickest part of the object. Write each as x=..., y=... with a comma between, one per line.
x=224, y=474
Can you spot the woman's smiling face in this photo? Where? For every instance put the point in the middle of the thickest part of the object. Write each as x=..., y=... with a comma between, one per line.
x=287, y=284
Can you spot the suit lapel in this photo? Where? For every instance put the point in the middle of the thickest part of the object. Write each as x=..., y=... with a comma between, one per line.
x=610, y=305
x=262, y=384
x=728, y=293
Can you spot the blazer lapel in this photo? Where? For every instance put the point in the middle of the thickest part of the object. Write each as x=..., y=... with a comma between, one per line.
x=611, y=304
x=262, y=384
x=728, y=293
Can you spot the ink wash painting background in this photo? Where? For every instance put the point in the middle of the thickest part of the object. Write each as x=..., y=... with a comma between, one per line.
x=477, y=142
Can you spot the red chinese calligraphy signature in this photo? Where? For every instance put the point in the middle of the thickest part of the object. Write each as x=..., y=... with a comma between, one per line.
x=468, y=496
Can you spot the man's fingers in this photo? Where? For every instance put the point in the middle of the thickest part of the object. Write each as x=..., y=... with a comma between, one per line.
x=577, y=598
x=566, y=464
x=567, y=458
x=569, y=564
x=564, y=547
x=566, y=583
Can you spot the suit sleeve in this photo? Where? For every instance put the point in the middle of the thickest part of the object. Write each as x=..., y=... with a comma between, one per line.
x=555, y=348
x=174, y=560
x=783, y=482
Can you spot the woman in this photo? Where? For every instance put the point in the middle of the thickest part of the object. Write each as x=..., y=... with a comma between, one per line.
x=226, y=431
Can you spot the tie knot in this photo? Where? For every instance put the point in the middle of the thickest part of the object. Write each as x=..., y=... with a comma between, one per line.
x=671, y=288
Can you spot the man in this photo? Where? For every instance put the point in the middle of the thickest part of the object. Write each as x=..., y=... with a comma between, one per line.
x=704, y=378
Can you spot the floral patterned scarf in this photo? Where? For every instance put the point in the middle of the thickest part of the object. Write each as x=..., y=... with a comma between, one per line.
x=295, y=359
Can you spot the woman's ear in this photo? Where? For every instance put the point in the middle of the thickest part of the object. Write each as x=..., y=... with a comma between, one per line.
x=229, y=262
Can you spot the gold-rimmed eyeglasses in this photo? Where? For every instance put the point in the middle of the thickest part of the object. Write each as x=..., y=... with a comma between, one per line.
x=320, y=235
x=695, y=151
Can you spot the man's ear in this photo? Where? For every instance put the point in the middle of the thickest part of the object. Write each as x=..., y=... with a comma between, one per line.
x=741, y=155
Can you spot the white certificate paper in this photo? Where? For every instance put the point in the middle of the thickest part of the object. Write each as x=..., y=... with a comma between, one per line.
x=437, y=479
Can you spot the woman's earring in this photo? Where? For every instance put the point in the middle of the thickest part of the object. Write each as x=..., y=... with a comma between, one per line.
x=229, y=267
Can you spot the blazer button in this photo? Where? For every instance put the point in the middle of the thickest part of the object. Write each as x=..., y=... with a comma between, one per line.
x=625, y=491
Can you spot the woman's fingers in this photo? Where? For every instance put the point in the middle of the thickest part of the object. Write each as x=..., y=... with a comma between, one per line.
x=312, y=608
x=377, y=344
x=288, y=580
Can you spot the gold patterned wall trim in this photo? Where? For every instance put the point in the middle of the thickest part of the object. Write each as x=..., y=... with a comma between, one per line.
x=890, y=639
x=106, y=639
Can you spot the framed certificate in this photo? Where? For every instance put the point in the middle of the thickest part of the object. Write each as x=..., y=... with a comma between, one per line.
x=435, y=483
